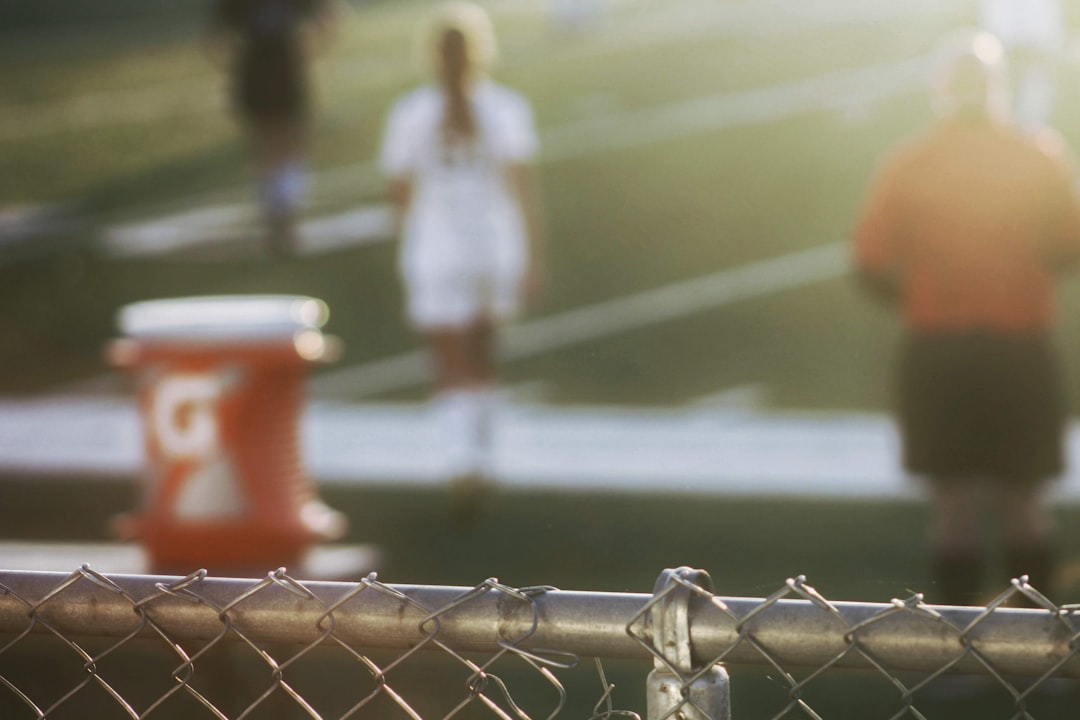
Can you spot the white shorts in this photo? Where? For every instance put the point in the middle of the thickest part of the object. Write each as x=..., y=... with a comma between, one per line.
x=457, y=270
x=451, y=297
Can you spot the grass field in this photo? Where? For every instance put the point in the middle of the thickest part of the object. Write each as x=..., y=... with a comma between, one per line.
x=131, y=129
x=135, y=128
x=119, y=117
x=599, y=542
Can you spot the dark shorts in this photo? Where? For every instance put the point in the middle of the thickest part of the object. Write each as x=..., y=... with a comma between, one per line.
x=270, y=85
x=981, y=405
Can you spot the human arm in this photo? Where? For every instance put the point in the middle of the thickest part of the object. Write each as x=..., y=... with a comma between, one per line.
x=880, y=285
x=877, y=237
x=397, y=159
x=1063, y=207
x=517, y=144
x=399, y=193
x=1064, y=251
x=527, y=194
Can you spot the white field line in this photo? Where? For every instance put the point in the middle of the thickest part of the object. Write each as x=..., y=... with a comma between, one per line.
x=176, y=231
x=641, y=127
x=365, y=225
x=676, y=300
x=710, y=450
x=670, y=302
x=668, y=22
x=209, y=226
x=581, y=138
x=202, y=95
x=358, y=226
x=839, y=89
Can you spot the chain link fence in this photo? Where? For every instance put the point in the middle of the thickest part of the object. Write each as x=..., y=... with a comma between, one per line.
x=86, y=645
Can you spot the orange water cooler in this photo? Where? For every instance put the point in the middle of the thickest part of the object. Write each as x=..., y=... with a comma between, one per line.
x=220, y=394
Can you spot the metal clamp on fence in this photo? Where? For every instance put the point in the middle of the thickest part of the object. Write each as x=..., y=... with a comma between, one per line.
x=677, y=688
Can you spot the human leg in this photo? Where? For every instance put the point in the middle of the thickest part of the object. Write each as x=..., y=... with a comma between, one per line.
x=938, y=423
x=1027, y=432
x=1027, y=535
x=956, y=548
x=465, y=380
x=466, y=406
x=278, y=157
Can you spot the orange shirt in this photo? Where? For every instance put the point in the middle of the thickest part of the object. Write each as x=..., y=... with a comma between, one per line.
x=971, y=220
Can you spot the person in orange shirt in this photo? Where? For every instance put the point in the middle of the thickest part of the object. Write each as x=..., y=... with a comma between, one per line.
x=964, y=230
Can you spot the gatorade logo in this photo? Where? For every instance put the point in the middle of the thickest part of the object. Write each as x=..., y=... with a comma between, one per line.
x=184, y=415
x=186, y=425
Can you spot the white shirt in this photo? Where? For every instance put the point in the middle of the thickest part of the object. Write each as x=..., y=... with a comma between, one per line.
x=462, y=212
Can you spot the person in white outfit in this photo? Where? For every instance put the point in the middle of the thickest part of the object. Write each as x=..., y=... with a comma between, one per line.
x=1033, y=33
x=457, y=153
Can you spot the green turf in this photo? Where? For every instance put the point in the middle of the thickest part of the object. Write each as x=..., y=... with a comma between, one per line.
x=621, y=222
x=593, y=541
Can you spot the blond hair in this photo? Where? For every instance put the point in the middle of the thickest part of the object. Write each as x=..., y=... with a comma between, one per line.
x=467, y=18
x=458, y=42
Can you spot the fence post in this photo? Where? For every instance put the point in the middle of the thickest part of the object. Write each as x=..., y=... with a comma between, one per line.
x=676, y=688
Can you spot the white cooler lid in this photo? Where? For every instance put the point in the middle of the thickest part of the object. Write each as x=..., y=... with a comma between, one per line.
x=223, y=317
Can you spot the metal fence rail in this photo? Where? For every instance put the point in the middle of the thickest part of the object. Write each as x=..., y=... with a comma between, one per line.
x=507, y=649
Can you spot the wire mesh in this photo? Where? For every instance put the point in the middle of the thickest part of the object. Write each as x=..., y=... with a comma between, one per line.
x=88, y=645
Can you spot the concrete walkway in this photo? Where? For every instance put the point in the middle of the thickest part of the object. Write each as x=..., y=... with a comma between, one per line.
x=694, y=450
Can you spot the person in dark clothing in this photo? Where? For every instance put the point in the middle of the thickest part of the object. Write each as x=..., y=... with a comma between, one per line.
x=265, y=47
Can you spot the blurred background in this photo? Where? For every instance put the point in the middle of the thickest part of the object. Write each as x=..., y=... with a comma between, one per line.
x=701, y=164
x=679, y=139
